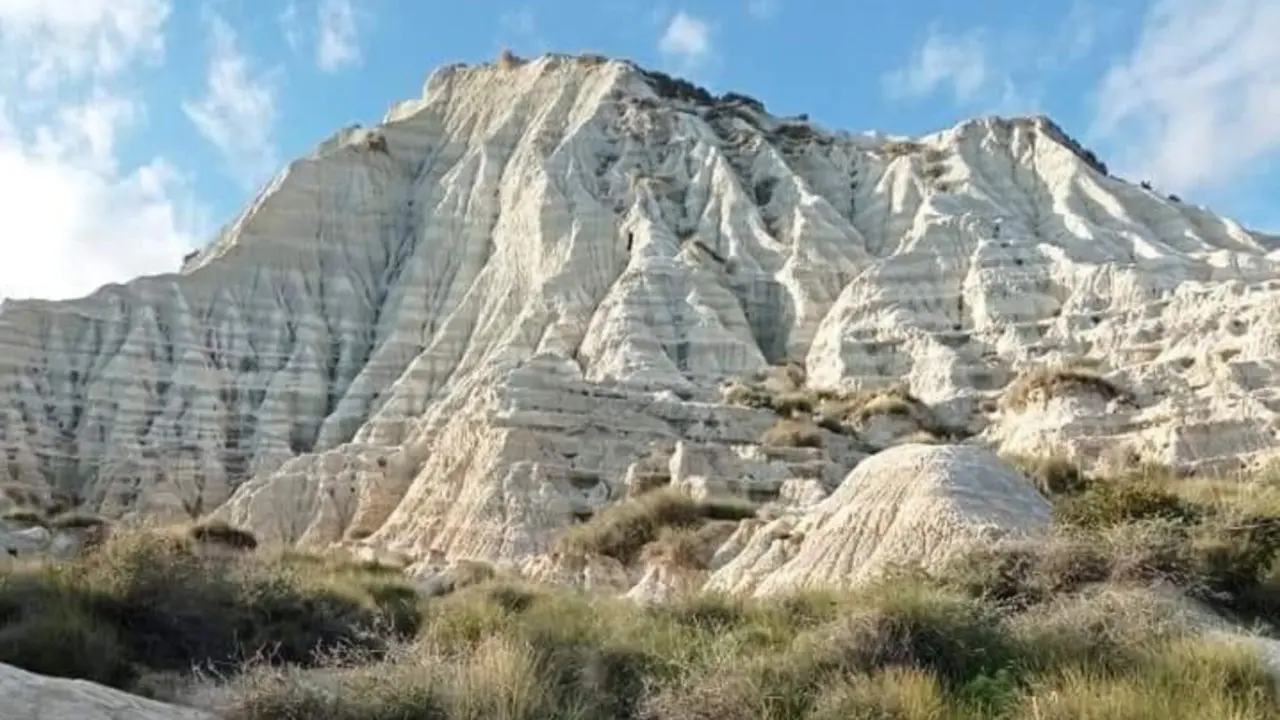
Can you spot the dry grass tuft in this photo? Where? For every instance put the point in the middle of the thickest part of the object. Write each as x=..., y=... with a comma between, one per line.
x=27, y=516
x=687, y=548
x=622, y=530
x=222, y=533
x=1094, y=621
x=151, y=602
x=79, y=521
x=1047, y=383
x=793, y=433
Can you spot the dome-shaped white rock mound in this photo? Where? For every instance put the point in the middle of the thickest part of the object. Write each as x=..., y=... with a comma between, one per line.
x=909, y=506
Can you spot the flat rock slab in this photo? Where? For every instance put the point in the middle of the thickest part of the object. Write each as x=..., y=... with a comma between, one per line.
x=28, y=696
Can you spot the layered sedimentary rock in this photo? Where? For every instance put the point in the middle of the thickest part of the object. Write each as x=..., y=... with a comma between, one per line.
x=450, y=334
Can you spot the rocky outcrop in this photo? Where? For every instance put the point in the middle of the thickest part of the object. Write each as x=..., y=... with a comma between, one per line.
x=28, y=696
x=62, y=540
x=451, y=334
x=912, y=506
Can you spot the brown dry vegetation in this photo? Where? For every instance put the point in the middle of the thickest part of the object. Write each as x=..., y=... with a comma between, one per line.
x=26, y=516
x=1068, y=627
x=1052, y=383
x=802, y=410
x=621, y=531
x=792, y=433
x=220, y=532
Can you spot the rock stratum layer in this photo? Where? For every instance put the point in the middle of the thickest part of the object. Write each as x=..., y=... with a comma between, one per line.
x=519, y=295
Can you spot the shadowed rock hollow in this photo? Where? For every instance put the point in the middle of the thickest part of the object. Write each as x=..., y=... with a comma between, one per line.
x=489, y=316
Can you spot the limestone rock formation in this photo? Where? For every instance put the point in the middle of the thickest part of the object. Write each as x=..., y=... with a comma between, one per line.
x=20, y=539
x=28, y=696
x=911, y=506
x=448, y=335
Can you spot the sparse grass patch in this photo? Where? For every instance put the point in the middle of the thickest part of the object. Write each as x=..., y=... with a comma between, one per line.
x=684, y=548
x=79, y=521
x=1189, y=678
x=1111, y=502
x=894, y=149
x=1082, y=623
x=26, y=516
x=745, y=395
x=902, y=649
x=793, y=433
x=1146, y=527
x=836, y=411
x=466, y=573
x=792, y=403
x=220, y=532
x=150, y=601
x=1049, y=383
x=859, y=408
x=622, y=530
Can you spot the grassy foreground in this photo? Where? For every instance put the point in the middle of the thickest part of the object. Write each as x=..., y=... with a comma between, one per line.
x=1074, y=627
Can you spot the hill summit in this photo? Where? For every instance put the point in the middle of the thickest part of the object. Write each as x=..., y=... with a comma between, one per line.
x=547, y=284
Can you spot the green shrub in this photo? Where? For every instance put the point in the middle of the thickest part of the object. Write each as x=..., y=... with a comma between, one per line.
x=168, y=607
x=622, y=530
x=60, y=638
x=1114, y=502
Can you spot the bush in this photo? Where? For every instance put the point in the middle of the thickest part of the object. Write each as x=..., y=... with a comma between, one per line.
x=59, y=637
x=1053, y=475
x=789, y=404
x=220, y=532
x=685, y=548
x=1076, y=624
x=622, y=530
x=152, y=601
x=793, y=433
x=1108, y=503
x=1185, y=679
x=902, y=649
x=1059, y=382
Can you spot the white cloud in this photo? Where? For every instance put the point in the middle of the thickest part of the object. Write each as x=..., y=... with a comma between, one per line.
x=1195, y=103
x=70, y=227
x=291, y=26
x=762, y=9
x=338, y=46
x=237, y=113
x=74, y=219
x=44, y=42
x=687, y=39
x=335, y=29
x=519, y=30
x=956, y=63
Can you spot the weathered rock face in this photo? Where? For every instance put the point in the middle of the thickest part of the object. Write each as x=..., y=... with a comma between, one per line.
x=457, y=331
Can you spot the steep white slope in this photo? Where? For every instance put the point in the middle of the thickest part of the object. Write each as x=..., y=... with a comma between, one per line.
x=454, y=332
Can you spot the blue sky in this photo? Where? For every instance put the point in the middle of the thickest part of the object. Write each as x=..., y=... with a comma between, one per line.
x=130, y=130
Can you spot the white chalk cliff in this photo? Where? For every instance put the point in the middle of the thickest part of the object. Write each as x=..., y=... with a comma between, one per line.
x=451, y=334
